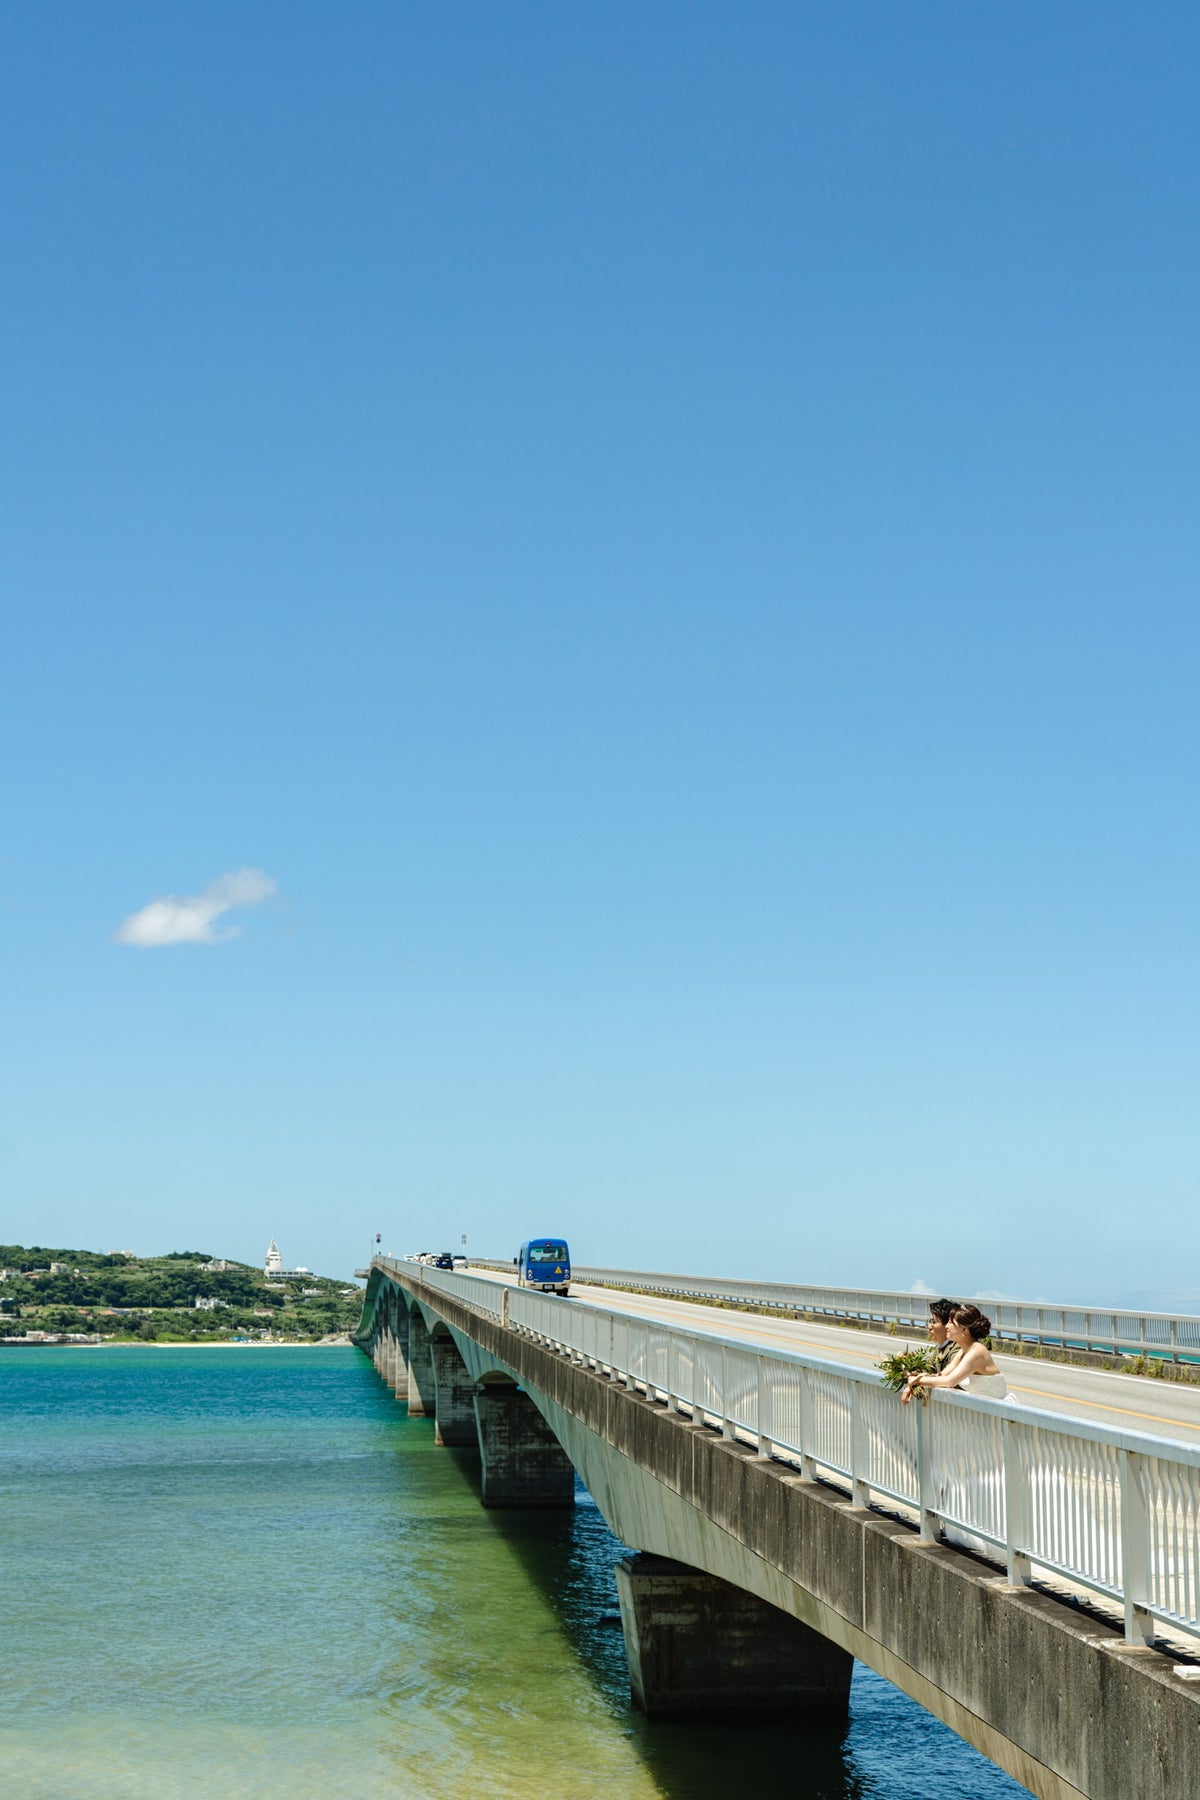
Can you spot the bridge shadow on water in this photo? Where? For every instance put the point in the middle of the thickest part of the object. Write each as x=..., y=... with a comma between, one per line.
x=569, y=1559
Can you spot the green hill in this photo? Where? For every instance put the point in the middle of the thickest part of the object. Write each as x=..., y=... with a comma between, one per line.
x=153, y=1298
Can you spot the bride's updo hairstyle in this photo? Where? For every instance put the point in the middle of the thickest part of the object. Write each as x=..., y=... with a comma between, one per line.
x=977, y=1323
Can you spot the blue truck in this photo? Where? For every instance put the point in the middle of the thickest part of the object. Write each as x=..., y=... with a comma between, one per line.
x=544, y=1264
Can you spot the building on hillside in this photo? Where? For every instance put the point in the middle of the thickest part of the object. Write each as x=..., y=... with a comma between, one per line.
x=273, y=1264
x=205, y=1303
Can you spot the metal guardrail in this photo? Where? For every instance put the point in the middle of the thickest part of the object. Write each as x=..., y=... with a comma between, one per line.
x=477, y=1290
x=1116, y=1512
x=1174, y=1337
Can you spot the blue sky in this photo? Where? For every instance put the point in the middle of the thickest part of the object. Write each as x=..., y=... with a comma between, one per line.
x=666, y=537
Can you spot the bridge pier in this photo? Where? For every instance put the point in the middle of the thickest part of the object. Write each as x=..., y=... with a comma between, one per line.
x=523, y=1462
x=699, y=1647
x=422, y=1394
x=454, y=1394
x=398, y=1376
x=387, y=1344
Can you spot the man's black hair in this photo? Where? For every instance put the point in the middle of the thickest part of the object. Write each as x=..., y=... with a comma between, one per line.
x=942, y=1309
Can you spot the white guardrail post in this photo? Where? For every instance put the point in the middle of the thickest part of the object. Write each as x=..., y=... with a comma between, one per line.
x=726, y=1421
x=927, y=1525
x=1135, y=1550
x=763, y=1416
x=808, y=1466
x=1016, y=1524
x=859, y=1492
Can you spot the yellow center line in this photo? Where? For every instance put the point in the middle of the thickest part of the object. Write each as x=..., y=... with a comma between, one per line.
x=1103, y=1406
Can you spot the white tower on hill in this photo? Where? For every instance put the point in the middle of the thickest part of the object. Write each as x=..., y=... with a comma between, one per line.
x=273, y=1264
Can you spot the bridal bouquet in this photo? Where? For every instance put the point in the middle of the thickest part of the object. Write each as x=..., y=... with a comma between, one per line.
x=897, y=1368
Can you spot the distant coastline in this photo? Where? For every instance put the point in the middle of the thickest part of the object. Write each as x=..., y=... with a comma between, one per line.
x=341, y=1343
x=59, y=1296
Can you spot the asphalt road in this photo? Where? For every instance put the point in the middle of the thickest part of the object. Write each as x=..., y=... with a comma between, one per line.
x=1157, y=1407
x=1160, y=1408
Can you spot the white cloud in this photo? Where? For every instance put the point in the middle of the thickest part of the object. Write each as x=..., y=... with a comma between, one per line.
x=190, y=918
x=921, y=1287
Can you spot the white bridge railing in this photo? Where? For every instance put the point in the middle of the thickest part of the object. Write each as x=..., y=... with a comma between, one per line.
x=1173, y=1336
x=1116, y=1512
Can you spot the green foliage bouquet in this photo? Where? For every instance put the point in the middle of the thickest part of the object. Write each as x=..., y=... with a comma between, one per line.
x=897, y=1368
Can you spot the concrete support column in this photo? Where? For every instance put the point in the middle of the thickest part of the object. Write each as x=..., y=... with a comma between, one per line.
x=400, y=1358
x=379, y=1345
x=454, y=1394
x=422, y=1397
x=385, y=1364
x=698, y=1646
x=393, y=1340
x=523, y=1462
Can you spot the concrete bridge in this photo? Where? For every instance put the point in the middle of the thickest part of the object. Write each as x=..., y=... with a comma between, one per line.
x=785, y=1514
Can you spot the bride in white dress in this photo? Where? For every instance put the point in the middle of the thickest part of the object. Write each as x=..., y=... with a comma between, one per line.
x=976, y=1493
x=974, y=1368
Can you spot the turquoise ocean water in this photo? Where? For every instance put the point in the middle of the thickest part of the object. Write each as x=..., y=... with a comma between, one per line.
x=240, y=1573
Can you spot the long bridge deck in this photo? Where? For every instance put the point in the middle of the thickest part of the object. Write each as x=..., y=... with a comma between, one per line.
x=789, y=1515
x=1161, y=1408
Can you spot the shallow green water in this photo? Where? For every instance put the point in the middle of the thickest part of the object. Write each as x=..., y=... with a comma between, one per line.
x=247, y=1573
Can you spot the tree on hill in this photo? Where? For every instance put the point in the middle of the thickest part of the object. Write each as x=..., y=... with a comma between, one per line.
x=34, y=1256
x=93, y=1282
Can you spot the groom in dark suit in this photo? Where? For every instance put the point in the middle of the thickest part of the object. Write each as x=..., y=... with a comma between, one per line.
x=943, y=1346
